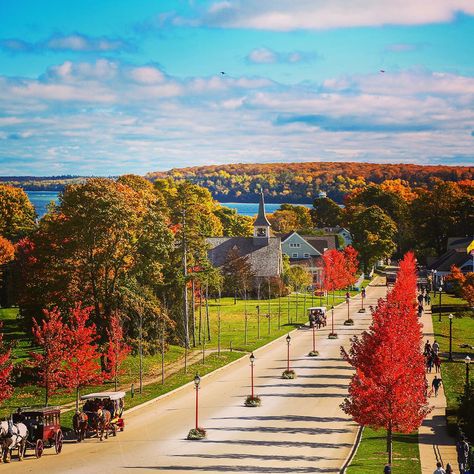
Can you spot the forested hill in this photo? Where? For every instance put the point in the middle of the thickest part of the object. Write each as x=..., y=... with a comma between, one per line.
x=300, y=182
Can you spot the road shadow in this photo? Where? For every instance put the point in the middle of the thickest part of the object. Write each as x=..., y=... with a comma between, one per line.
x=251, y=469
x=283, y=444
x=274, y=429
x=288, y=418
x=307, y=385
x=259, y=457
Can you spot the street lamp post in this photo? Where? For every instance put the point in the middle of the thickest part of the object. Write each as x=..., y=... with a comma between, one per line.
x=332, y=334
x=362, y=298
x=288, y=340
x=440, y=291
x=258, y=321
x=348, y=322
x=467, y=360
x=314, y=337
x=197, y=381
x=451, y=337
x=252, y=361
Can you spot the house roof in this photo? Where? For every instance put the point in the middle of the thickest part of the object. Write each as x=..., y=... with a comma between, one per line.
x=459, y=242
x=261, y=219
x=321, y=242
x=451, y=257
x=264, y=259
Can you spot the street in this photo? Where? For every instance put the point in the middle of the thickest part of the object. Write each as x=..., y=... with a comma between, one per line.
x=298, y=428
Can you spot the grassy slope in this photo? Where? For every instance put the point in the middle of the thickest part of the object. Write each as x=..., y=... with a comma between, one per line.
x=453, y=373
x=371, y=455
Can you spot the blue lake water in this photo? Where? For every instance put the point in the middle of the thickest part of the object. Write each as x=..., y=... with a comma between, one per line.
x=41, y=199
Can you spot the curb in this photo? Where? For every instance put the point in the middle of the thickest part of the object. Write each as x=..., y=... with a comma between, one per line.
x=353, y=452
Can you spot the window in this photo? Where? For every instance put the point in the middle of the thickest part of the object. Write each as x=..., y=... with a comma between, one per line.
x=306, y=255
x=295, y=246
x=294, y=255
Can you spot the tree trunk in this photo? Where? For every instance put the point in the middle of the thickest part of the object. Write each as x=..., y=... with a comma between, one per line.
x=200, y=314
x=193, y=306
x=208, y=322
x=389, y=443
x=77, y=398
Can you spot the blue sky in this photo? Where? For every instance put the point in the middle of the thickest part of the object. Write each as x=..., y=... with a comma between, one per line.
x=112, y=87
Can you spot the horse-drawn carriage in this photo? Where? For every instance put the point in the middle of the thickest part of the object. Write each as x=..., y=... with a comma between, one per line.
x=317, y=316
x=101, y=414
x=43, y=431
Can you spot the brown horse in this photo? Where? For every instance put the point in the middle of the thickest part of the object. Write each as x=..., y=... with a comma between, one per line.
x=79, y=424
x=103, y=424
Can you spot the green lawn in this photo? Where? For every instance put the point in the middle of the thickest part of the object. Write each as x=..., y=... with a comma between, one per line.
x=285, y=314
x=453, y=373
x=371, y=455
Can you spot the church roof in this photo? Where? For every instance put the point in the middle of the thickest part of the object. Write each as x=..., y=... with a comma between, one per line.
x=265, y=259
x=261, y=219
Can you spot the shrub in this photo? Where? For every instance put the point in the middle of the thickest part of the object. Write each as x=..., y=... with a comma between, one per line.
x=197, y=433
x=288, y=374
x=349, y=322
x=313, y=354
x=252, y=401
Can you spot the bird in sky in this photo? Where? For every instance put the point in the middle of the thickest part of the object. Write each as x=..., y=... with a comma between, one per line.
x=223, y=73
x=382, y=70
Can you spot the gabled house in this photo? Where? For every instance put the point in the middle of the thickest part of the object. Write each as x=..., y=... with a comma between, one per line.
x=263, y=250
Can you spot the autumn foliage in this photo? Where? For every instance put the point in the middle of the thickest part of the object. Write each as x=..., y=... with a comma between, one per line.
x=464, y=284
x=7, y=251
x=388, y=388
x=117, y=350
x=339, y=268
x=51, y=335
x=82, y=366
x=6, y=367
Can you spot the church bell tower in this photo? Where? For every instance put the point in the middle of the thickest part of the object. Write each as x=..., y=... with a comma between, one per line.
x=261, y=226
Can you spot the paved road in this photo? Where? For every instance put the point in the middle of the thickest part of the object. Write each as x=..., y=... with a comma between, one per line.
x=299, y=427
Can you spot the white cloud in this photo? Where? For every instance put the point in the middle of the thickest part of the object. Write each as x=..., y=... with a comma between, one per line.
x=262, y=56
x=267, y=56
x=110, y=117
x=285, y=15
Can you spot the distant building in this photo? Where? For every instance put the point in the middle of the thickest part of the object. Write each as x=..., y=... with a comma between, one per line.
x=263, y=250
x=322, y=194
x=456, y=254
x=307, y=251
x=341, y=231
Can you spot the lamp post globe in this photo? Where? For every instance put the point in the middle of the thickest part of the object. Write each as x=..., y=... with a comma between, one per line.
x=252, y=361
x=197, y=380
x=288, y=340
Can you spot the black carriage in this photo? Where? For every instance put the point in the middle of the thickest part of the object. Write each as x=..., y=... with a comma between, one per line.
x=44, y=428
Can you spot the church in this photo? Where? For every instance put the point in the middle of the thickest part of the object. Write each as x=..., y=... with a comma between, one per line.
x=263, y=250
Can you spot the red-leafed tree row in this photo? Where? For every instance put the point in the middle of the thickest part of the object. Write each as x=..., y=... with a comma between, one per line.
x=339, y=268
x=69, y=355
x=388, y=388
x=5, y=370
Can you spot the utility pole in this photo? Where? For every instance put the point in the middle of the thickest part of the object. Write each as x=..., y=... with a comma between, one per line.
x=185, y=295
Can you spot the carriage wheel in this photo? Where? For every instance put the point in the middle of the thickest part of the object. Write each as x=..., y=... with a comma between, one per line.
x=58, y=442
x=39, y=448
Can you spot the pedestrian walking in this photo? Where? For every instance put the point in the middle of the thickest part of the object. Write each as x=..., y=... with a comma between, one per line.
x=449, y=469
x=436, y=384
x=437, y=363
x=420, y=310
x=420, y=299
x=428, y=299
x=427, y=349
x=435, y=347
x=429, y=362
x=439, y=469
x=387, y=469
x=462, y=450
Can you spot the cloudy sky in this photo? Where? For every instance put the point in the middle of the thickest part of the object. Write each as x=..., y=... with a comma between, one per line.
x=114, y=86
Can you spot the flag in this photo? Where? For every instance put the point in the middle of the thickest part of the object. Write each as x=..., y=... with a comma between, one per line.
x=470, y=247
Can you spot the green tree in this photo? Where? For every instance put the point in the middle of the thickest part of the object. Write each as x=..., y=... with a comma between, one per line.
x=326, y=213
x=373, y=233
x=233, y=223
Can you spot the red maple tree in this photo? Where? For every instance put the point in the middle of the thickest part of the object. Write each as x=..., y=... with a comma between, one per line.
x=388, y=388
x=351, y=265
x=6, y=367
x=51, y=335
x=333, y=270
x=117, y=350
x=83, y=367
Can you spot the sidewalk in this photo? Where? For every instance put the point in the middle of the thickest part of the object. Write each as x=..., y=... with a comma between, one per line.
x=434, y=442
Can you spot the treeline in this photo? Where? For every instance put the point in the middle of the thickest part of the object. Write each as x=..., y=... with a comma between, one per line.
x=301, y=182
x=42, y=183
